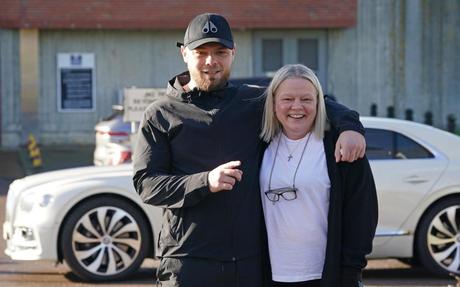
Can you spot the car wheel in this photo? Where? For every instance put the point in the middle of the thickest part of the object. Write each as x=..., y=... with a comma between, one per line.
x=438, y=238
x=105, y=238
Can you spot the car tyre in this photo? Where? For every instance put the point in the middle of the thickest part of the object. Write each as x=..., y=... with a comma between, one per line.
x=438, y=238
x=105, y=239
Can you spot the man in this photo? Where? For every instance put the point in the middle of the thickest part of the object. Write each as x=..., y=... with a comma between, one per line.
x=198, y=155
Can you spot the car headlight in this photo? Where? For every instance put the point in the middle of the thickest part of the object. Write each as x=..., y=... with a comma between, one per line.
x=43, y=200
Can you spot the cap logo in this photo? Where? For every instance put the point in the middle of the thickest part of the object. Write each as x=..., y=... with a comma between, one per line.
x=209, y=26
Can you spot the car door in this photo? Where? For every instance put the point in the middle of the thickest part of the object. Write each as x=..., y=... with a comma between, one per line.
x=404, y=171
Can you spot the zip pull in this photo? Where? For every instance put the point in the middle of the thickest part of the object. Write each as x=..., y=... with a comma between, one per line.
x=189, y=98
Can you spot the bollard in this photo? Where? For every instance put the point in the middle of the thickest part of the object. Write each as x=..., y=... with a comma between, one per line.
x=34, y=152
x=374, y=110
x=429, y=118
x=390, y=112
x=451, y=123
x=409, y=114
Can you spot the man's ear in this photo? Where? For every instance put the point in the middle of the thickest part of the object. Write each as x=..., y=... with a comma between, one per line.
x=234, y=50
x=184, y=51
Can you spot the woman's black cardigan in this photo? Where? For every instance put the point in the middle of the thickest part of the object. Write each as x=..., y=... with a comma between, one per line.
x=352, y=219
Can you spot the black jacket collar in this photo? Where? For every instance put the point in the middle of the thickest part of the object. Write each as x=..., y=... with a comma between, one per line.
x=176, y=84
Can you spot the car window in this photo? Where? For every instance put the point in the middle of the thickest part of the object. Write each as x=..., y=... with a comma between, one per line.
x=384, y=144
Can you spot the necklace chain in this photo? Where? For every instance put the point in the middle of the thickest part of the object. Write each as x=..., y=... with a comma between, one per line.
x=298, y=164
x=287, y=147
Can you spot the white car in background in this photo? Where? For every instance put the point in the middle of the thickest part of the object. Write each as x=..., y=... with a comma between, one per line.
x=93, y=219
x=112, y=135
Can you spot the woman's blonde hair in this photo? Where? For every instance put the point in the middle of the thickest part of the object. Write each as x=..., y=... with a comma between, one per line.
x=270, y=124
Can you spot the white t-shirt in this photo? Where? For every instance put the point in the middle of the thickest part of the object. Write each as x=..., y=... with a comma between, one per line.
x=297, y=229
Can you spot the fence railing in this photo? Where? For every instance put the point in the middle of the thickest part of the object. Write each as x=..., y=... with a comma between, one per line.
x=451, y=120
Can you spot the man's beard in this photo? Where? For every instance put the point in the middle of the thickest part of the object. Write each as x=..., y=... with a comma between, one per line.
x=206, y=84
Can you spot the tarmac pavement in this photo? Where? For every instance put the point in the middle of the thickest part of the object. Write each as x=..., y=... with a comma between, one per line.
x=10, y=168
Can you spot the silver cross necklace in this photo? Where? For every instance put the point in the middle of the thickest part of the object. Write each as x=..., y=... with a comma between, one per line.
x=290, y=153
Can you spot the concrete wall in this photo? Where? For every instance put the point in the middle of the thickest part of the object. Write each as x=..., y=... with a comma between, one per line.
x=10, y=112
x=123, y=59
x=402, y=54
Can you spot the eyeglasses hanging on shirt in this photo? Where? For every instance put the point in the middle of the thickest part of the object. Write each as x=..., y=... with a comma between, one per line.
x=287, y=193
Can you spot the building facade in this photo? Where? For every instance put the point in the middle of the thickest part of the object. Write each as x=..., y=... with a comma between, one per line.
x=63, y=66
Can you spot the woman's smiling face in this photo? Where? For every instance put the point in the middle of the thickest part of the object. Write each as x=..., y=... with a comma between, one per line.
x=296, y=102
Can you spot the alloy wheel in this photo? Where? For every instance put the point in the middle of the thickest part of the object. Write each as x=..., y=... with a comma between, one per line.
x=443, y=239
x=106, y=240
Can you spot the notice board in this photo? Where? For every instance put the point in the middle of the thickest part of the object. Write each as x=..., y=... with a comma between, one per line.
x=76, y=82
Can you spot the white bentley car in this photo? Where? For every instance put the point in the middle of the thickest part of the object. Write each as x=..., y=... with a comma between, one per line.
x=94, y=220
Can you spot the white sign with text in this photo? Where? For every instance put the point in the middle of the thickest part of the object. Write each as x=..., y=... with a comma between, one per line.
x=137, y=100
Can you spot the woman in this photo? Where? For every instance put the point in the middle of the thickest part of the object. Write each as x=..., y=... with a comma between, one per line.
x=320, y=215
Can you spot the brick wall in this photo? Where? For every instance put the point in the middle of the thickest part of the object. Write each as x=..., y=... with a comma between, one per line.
x=158, y=14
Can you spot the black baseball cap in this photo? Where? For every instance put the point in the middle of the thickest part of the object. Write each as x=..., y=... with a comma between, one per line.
x=206, y=28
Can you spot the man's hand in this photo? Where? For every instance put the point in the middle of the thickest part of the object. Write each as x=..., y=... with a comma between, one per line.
x=350, y=146
x=224, y=176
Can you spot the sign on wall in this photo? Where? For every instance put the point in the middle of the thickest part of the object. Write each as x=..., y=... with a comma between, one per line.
x=137, y=100
x=76, y=86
